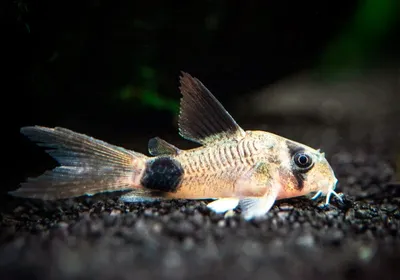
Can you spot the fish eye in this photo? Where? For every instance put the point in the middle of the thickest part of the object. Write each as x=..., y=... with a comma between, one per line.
x=303, y=160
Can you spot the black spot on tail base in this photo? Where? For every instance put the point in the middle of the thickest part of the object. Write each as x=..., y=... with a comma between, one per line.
x=163, y=174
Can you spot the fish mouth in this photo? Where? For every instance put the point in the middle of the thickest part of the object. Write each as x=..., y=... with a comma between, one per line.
x=329, y=193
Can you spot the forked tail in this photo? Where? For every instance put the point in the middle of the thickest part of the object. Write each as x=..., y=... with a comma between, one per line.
x=87, y=165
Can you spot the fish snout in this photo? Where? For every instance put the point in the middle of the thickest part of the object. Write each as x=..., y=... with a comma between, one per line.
x=327, y=187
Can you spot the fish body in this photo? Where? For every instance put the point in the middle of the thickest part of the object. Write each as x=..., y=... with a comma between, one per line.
x=252, y=169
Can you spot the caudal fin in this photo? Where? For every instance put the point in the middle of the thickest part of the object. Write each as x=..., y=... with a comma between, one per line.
x=87, y=165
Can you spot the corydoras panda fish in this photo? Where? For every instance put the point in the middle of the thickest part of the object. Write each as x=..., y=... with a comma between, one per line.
x=234, y=167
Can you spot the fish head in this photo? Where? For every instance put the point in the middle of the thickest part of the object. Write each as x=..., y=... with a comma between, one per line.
x=305, y=171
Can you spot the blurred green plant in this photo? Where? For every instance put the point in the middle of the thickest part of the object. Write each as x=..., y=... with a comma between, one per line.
x=146, y=86
x=146, y=92
x=22, y=10
x=362, y=36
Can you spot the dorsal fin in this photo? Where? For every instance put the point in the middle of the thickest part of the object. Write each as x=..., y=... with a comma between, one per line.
x=202, y=118
x=158, y=146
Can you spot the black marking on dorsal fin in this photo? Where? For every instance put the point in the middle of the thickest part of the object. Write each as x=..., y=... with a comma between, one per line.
x=202, y=118
x=158, y=146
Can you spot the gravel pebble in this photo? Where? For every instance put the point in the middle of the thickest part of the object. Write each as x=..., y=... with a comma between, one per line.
x=100, y=237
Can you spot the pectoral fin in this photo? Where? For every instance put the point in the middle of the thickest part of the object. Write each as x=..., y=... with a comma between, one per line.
x=257, y=207
x=258, y=191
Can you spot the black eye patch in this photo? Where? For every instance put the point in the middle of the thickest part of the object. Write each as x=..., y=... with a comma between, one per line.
x=301, y=163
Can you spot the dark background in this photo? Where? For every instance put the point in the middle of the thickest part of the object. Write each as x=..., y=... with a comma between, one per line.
x=110, y=69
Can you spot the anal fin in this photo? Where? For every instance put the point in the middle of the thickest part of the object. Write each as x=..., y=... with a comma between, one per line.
x=135, y=197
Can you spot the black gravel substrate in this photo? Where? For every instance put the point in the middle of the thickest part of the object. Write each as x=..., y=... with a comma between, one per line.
x=102, y=238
